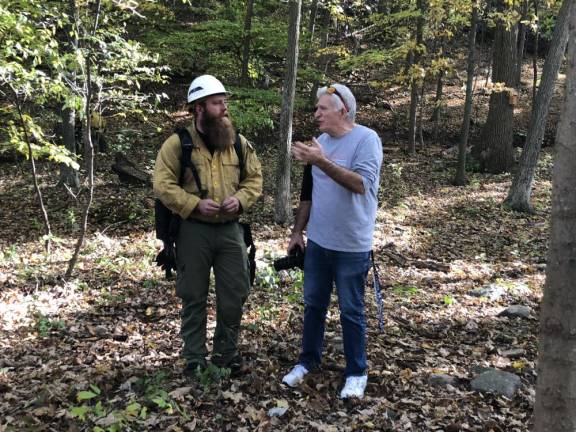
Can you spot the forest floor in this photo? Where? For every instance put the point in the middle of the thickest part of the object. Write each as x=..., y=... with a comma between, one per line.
x=101, y=352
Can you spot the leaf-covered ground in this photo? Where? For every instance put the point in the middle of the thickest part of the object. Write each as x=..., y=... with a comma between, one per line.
x=101, y=352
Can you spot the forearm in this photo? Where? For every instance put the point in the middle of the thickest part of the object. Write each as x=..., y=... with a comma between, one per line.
x=344, y=177
x=302, y=216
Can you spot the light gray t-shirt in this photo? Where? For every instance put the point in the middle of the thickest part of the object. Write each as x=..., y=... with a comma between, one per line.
x=342, y=220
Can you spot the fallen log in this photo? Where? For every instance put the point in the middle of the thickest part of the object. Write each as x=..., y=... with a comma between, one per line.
x=129, y=172
x=390, y=251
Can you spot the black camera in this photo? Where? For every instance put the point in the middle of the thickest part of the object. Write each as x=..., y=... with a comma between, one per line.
x=295, y=259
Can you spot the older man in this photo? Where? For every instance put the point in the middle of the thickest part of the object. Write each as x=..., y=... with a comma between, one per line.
x=338, y=204
x=210, y=235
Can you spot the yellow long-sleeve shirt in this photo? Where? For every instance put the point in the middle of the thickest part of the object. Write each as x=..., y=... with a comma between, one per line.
x=219, y=176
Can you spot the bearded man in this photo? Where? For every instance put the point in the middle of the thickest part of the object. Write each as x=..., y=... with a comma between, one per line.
x=210, y=236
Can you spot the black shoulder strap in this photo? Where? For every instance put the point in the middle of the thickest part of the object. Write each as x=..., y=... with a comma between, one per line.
x=186, y=158
x=240, y=154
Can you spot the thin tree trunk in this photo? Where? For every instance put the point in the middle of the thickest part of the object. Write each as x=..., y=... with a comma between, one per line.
x=246, y=41
x=535, y=56
x=46, y=220
x=68, y=175
x=283, y=209
x=460, y=178
x=555, y=389
x=438, y=98
x=323, y=44
x=521, y=44
x=494, y=151
x=521, y=189
x=415, y=82
x=419, y=120
x=312, y=20
x=89, y=152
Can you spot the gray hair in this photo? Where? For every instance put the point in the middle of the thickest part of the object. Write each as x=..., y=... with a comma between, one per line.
x=344, y=99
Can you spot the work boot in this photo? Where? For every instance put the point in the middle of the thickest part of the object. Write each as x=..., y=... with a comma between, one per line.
x=193, y=367
x=235, y=363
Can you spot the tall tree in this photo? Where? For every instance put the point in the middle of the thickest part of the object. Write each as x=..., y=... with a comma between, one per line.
x=522, y=29
x=521, y=188
x=283, y=213
x=460, y=178
x=554, y=409
x=246, y=41
x=494, y=151
x=415, y=79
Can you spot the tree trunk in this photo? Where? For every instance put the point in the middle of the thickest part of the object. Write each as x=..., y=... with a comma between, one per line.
x=312, y=20
x=460, y=178
x=554, y=408
x=283, y=209
x=415, y=81
x=521, y=44
x=246, y=41
x=438, y=98
x=494, y=151
x=521, y=188
x=535, y=56
x=68, y=175
x=323, y=44
x=46, y=220
x=89, y=147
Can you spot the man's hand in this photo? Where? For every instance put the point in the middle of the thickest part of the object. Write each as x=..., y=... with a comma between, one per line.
x=308, y=153
x=207, y=207
x=230, y=205
x=296, y=240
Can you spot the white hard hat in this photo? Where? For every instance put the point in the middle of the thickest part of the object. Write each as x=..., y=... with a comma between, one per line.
x=204, y=85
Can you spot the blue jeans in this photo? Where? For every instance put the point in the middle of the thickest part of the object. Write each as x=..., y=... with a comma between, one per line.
x=322, y=268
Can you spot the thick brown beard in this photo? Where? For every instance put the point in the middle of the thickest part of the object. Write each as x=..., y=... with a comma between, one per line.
x=220, y=132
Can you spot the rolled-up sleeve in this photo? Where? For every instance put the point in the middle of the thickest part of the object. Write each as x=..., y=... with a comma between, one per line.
x=166, y=175
x=368, y=160
x=250, y=188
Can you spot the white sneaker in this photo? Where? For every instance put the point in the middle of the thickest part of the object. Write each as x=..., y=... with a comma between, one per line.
x=295, y=376
x=354, y=387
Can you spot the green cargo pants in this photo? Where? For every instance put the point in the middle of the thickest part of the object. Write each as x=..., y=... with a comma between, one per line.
x=200, y=247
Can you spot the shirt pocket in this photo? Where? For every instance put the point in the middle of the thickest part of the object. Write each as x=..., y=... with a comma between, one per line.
x=231, y=171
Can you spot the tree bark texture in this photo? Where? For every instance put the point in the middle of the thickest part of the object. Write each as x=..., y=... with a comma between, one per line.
x=246, y=41
x=555, y=407
x=521, y=188
x=68, y=175
x=495, y=151
x=460, y=178
x=415, y=82
x=283, y=208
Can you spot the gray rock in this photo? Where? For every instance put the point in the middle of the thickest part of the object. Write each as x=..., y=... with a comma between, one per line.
x=516, y=311
x=520, y=289
x=492, y=292
x=513, y=352
x=497, y=381
x=441, y=380
x=277, y=411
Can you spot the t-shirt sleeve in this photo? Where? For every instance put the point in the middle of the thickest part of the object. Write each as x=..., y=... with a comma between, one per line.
x=368, y=159
x=306, y=189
